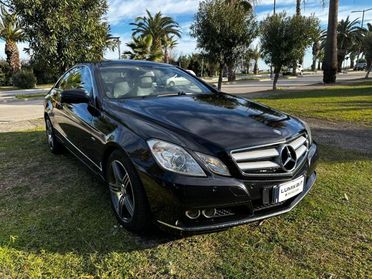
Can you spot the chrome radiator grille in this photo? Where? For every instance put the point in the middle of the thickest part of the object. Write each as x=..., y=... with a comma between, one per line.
x=271, y=159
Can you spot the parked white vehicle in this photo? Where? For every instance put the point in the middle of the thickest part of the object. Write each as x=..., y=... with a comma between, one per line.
x=177, y=80
x=191, y=72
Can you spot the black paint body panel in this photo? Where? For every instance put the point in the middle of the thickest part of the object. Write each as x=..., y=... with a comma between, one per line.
x=213, y=124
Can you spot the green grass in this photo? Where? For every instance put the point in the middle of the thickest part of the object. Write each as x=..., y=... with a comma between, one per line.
x=56, y=222
x=349, y=103
x=38, y=86
x=30, y=96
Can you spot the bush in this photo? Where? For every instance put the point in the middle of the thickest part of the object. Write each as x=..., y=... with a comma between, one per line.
x=44, y=73
x=24, y=79
x=5, y=73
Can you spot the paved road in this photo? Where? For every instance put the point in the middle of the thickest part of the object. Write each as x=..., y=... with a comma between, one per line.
x=14, y=110
x=252, y=86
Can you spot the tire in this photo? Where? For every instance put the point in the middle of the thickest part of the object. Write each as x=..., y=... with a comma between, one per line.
x=128, y=198
x=172, y=84
x=54, y=145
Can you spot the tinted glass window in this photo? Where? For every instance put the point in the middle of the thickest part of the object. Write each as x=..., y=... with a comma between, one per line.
x=129, y=81
x=77, y=78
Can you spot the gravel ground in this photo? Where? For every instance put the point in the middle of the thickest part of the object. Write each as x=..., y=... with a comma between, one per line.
x=340, y=134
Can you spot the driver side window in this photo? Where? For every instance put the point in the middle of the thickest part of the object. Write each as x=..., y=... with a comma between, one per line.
x=77, y=78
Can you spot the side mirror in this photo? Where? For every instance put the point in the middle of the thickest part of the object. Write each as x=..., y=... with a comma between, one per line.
x=74, y=96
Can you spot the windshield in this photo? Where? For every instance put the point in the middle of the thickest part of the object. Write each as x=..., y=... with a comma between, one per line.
x=130, y=81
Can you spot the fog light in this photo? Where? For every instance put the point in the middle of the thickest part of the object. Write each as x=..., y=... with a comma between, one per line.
x=209, y=213
x=193, y=214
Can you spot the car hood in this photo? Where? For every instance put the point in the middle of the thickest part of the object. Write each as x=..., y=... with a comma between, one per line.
x=218, y=120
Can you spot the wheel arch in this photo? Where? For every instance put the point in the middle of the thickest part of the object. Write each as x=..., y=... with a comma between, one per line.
x=110, y=148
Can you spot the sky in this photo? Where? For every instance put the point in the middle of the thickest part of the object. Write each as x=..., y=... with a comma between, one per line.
x=122, y=12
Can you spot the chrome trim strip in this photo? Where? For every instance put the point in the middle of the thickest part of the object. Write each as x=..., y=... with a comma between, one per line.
x=257, y=165
x=255, y=154
x=298, y=142
x=301, y=151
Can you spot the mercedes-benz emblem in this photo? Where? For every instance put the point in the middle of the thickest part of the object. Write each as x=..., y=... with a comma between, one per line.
x=288, y=158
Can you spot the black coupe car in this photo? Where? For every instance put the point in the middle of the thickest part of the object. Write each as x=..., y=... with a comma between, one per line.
x=182, y=155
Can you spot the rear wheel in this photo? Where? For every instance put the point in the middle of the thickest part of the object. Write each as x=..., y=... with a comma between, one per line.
x=128, y=197
x=54, y=145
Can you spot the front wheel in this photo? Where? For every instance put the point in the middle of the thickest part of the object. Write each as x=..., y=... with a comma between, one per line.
x=54, y=145
x=128, y=198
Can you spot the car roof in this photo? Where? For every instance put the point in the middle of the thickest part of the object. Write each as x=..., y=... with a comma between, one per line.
x=106, y=63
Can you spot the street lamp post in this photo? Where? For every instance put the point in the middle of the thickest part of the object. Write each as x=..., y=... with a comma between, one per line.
x=363, y=12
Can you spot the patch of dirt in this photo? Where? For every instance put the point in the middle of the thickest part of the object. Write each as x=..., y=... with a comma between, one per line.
x=21, y=125
x=342, y=134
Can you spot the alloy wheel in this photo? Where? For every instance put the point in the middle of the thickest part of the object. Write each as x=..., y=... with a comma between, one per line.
x=121, y=190
x=49, y=132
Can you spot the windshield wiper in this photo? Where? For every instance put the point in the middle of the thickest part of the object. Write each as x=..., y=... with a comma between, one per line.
x=180, y=93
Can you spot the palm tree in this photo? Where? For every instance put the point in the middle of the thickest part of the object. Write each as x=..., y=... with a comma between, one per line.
x=169, y=43
x=367, y=48
x=330, y=51
x=142, y=49
x=318, y=44
x=349, y=35
x=298, y=7
x=158, y=27
x=11, y=32
x=255, y=53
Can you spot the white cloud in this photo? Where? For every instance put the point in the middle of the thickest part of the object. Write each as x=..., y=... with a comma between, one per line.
x=129, y=9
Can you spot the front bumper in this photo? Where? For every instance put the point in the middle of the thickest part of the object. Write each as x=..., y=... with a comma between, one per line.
x=249, y=200
x=253, y=218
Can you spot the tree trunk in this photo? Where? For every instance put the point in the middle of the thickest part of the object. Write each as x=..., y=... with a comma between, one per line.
x=340, y=61
x=369, y=70
x=231, y=73
x=294, y=68
x=315, y=53
x=298, y=7
x=319, y=65
x=166, y=55
x=12, y=56
x=330, y=56
x=313, y=65
x=369, y=67
x=352, y=60
x=220, y=73
x=255, y=68
x=276, y=76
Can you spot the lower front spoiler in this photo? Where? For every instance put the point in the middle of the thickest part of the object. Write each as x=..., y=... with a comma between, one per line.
x=241, y=221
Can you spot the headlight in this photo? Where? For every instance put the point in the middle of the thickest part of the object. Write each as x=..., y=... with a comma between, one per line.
x=213, y=164
x=174, y=158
